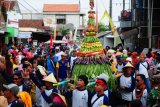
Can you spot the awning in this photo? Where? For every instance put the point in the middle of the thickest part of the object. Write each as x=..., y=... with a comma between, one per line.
x=27, y=29
x=56, y=41
x=128, y=34
x=24, y=35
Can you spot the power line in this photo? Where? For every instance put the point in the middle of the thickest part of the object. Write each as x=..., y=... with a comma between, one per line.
x=104, y=5
x=24, y=6
x=31, y=6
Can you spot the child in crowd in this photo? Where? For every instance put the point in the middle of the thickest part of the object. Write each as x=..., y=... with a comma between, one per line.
x=81, y=96
x=99, y=98
x=107, y=91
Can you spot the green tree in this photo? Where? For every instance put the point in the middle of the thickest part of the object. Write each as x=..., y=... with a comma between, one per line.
x=64, y=32
x=102, y=27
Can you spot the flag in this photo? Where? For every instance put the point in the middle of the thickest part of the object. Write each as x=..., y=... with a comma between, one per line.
x=105, y=14
x=51, y=41
x=117, y=39
x=55, y=32
x=113, y=28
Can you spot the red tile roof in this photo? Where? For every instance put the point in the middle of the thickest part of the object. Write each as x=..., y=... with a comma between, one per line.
x=32, y=23
x=61, y=8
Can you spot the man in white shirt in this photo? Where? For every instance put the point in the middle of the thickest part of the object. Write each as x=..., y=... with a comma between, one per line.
x=58, y=53
x=127, y=84
x=73, y=58
x=143, y=67
x=140, y=92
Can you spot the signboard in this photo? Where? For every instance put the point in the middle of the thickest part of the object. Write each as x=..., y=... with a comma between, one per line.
x=13, y=18
x=10, y=31
x=24, y=35
x=12, y=23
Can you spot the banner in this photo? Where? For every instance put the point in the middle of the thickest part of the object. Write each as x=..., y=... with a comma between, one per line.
x=113, y=28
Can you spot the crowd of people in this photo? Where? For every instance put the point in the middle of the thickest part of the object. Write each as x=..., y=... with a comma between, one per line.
x=31, y=76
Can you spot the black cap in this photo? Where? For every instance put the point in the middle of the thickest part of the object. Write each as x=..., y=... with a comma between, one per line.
x=84, y=78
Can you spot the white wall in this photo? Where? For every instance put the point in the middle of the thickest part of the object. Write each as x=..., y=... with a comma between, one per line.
x=32, y=16
x=109, y=42
x=50, y=17
x=74, y=19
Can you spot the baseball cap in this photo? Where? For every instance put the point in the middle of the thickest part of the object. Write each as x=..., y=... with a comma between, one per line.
x=12, y=87
x=103, y=77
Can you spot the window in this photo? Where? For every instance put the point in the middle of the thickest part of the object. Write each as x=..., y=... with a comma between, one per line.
x=61, y=19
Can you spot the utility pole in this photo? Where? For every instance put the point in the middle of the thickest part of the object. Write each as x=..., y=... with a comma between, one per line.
x=110, y=12
x=149, y=25
x=110, y=9
x=123, y=5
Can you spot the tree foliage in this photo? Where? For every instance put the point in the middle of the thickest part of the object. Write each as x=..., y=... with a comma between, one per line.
x=102, y=27
x=64, y=31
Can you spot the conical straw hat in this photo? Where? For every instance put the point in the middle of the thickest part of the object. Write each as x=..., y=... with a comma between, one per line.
x=103, y=106
x=42, y=70
x=50, y=78
x=128, y=65
x=63, y=100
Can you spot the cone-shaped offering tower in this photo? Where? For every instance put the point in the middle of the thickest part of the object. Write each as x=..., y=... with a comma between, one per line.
x=91, y=59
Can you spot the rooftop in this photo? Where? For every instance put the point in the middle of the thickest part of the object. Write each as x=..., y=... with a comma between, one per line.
x=31, y=23
x=61, y=8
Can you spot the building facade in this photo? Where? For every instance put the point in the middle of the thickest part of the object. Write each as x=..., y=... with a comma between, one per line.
x=63, y=14
x=143, y=16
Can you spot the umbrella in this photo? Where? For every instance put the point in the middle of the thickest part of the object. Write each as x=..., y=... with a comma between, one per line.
x=56, y=41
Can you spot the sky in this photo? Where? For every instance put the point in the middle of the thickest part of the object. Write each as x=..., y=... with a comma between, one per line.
x=35, y=6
